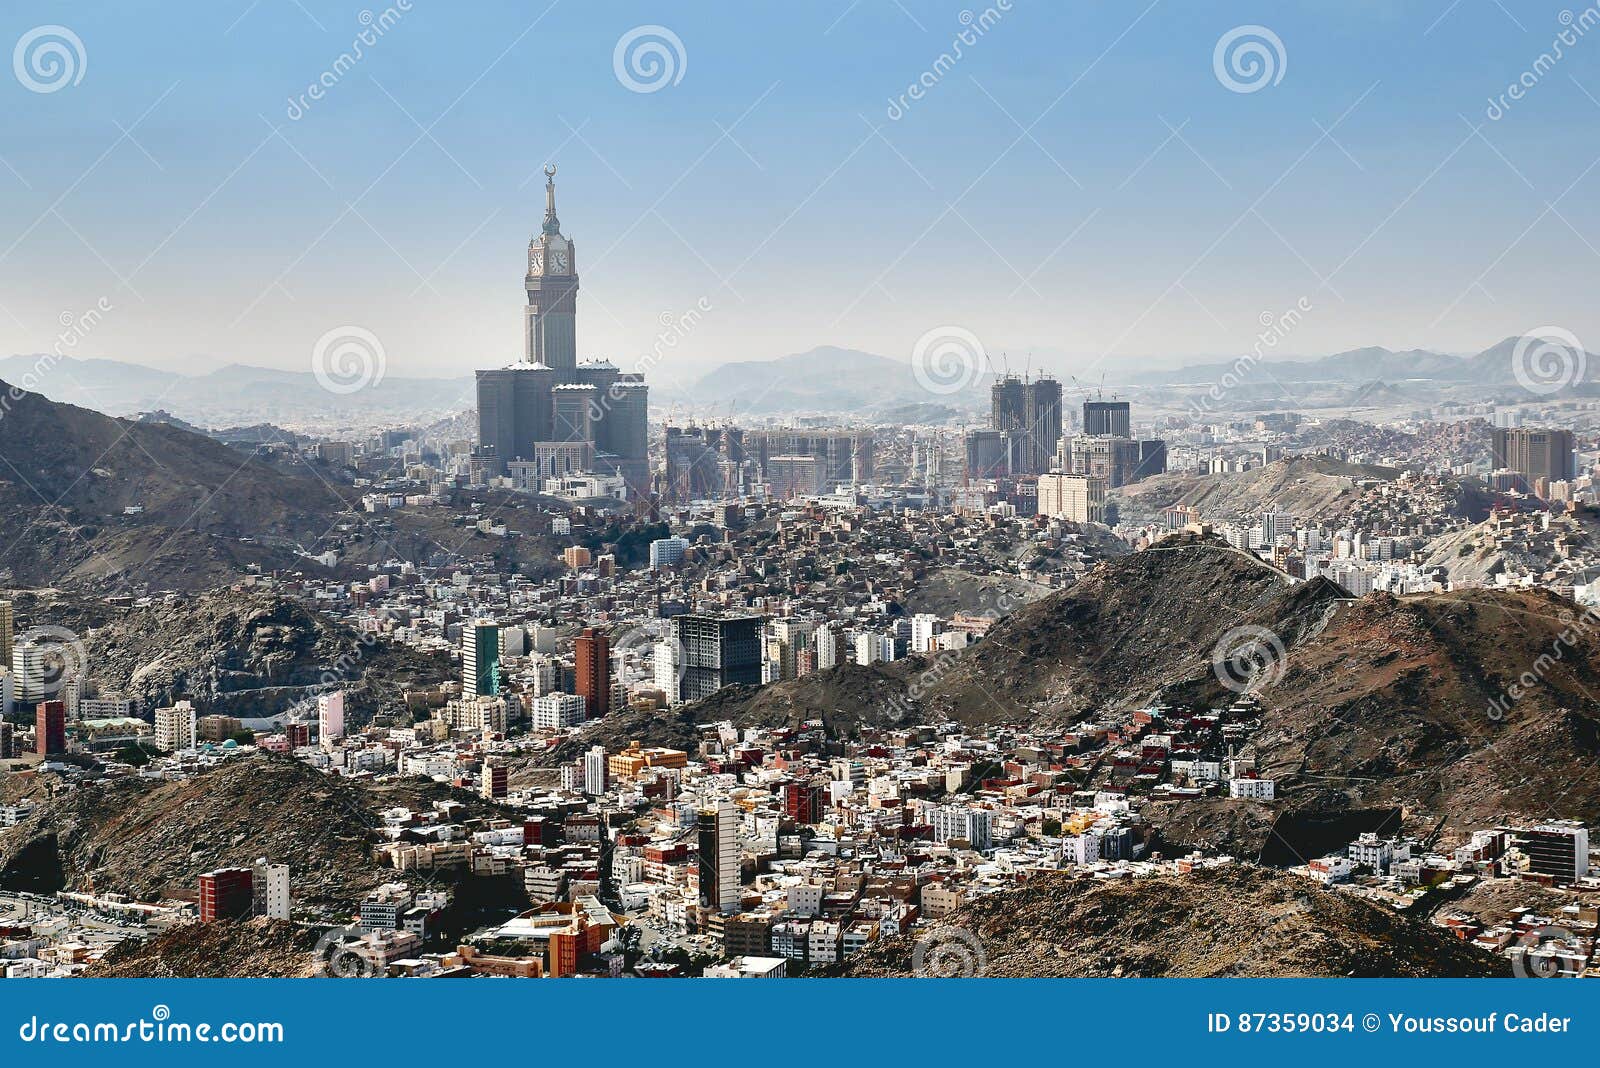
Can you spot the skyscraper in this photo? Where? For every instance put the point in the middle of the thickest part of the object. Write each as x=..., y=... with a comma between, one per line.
x=1041, y=400
x=718, y=856
x=7, y=629
x=1533, y=453
x=1107, y=417
x=532, y=412
x=718, y=651
x=593, y=683
x=1027, y=416
x=480, y=658
x=39, y=667
x=552, y=285
x=595, y=771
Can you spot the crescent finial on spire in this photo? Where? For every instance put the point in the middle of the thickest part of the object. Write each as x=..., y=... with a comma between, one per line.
x=551, y=224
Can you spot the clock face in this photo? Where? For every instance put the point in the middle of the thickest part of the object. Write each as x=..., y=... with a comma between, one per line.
x=536, y=260
x=561, y=261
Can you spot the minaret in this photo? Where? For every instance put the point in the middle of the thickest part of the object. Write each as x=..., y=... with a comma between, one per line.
x=552, y=285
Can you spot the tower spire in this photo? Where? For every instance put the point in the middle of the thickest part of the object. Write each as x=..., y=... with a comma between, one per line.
x=552, y=225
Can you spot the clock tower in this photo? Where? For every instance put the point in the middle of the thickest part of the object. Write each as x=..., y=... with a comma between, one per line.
x=550, y=324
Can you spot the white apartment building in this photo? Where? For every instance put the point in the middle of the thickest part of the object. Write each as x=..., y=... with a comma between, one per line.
x=555, y=711
x=175, y=729
x=925, y=631
x=806, y=899
x=594, y=771
x=666, y=663
x=959, y=821
x=871, y=648
x=1253, y=789
x=1075, y=498
x=330, y=717
x=272, y=889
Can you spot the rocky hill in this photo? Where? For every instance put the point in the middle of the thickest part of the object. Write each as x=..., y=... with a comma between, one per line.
x=1468, y=705
x=1306, y=486
x=152, y=840
x=1137, y=627
x=251, y=949
x=1236, y=921
x=251, y=654
x=91, y=500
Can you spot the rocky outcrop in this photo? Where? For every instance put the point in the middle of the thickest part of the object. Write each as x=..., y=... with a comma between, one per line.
x=1237, y=921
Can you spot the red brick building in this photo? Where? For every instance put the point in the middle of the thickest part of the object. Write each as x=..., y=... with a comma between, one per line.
x=226, y=894
x=50, y=728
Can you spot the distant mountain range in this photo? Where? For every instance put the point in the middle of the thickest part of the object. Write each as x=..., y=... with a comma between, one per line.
x=829, y=380
x=826, y=380
x=235, y=394
x=1495, y=366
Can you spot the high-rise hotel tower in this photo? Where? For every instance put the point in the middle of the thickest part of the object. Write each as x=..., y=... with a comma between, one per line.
x=547, y=415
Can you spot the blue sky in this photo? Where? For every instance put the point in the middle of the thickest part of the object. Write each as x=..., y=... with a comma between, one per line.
x=1079, y=183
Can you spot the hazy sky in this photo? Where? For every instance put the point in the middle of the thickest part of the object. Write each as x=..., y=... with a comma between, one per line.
x=1080, y=181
